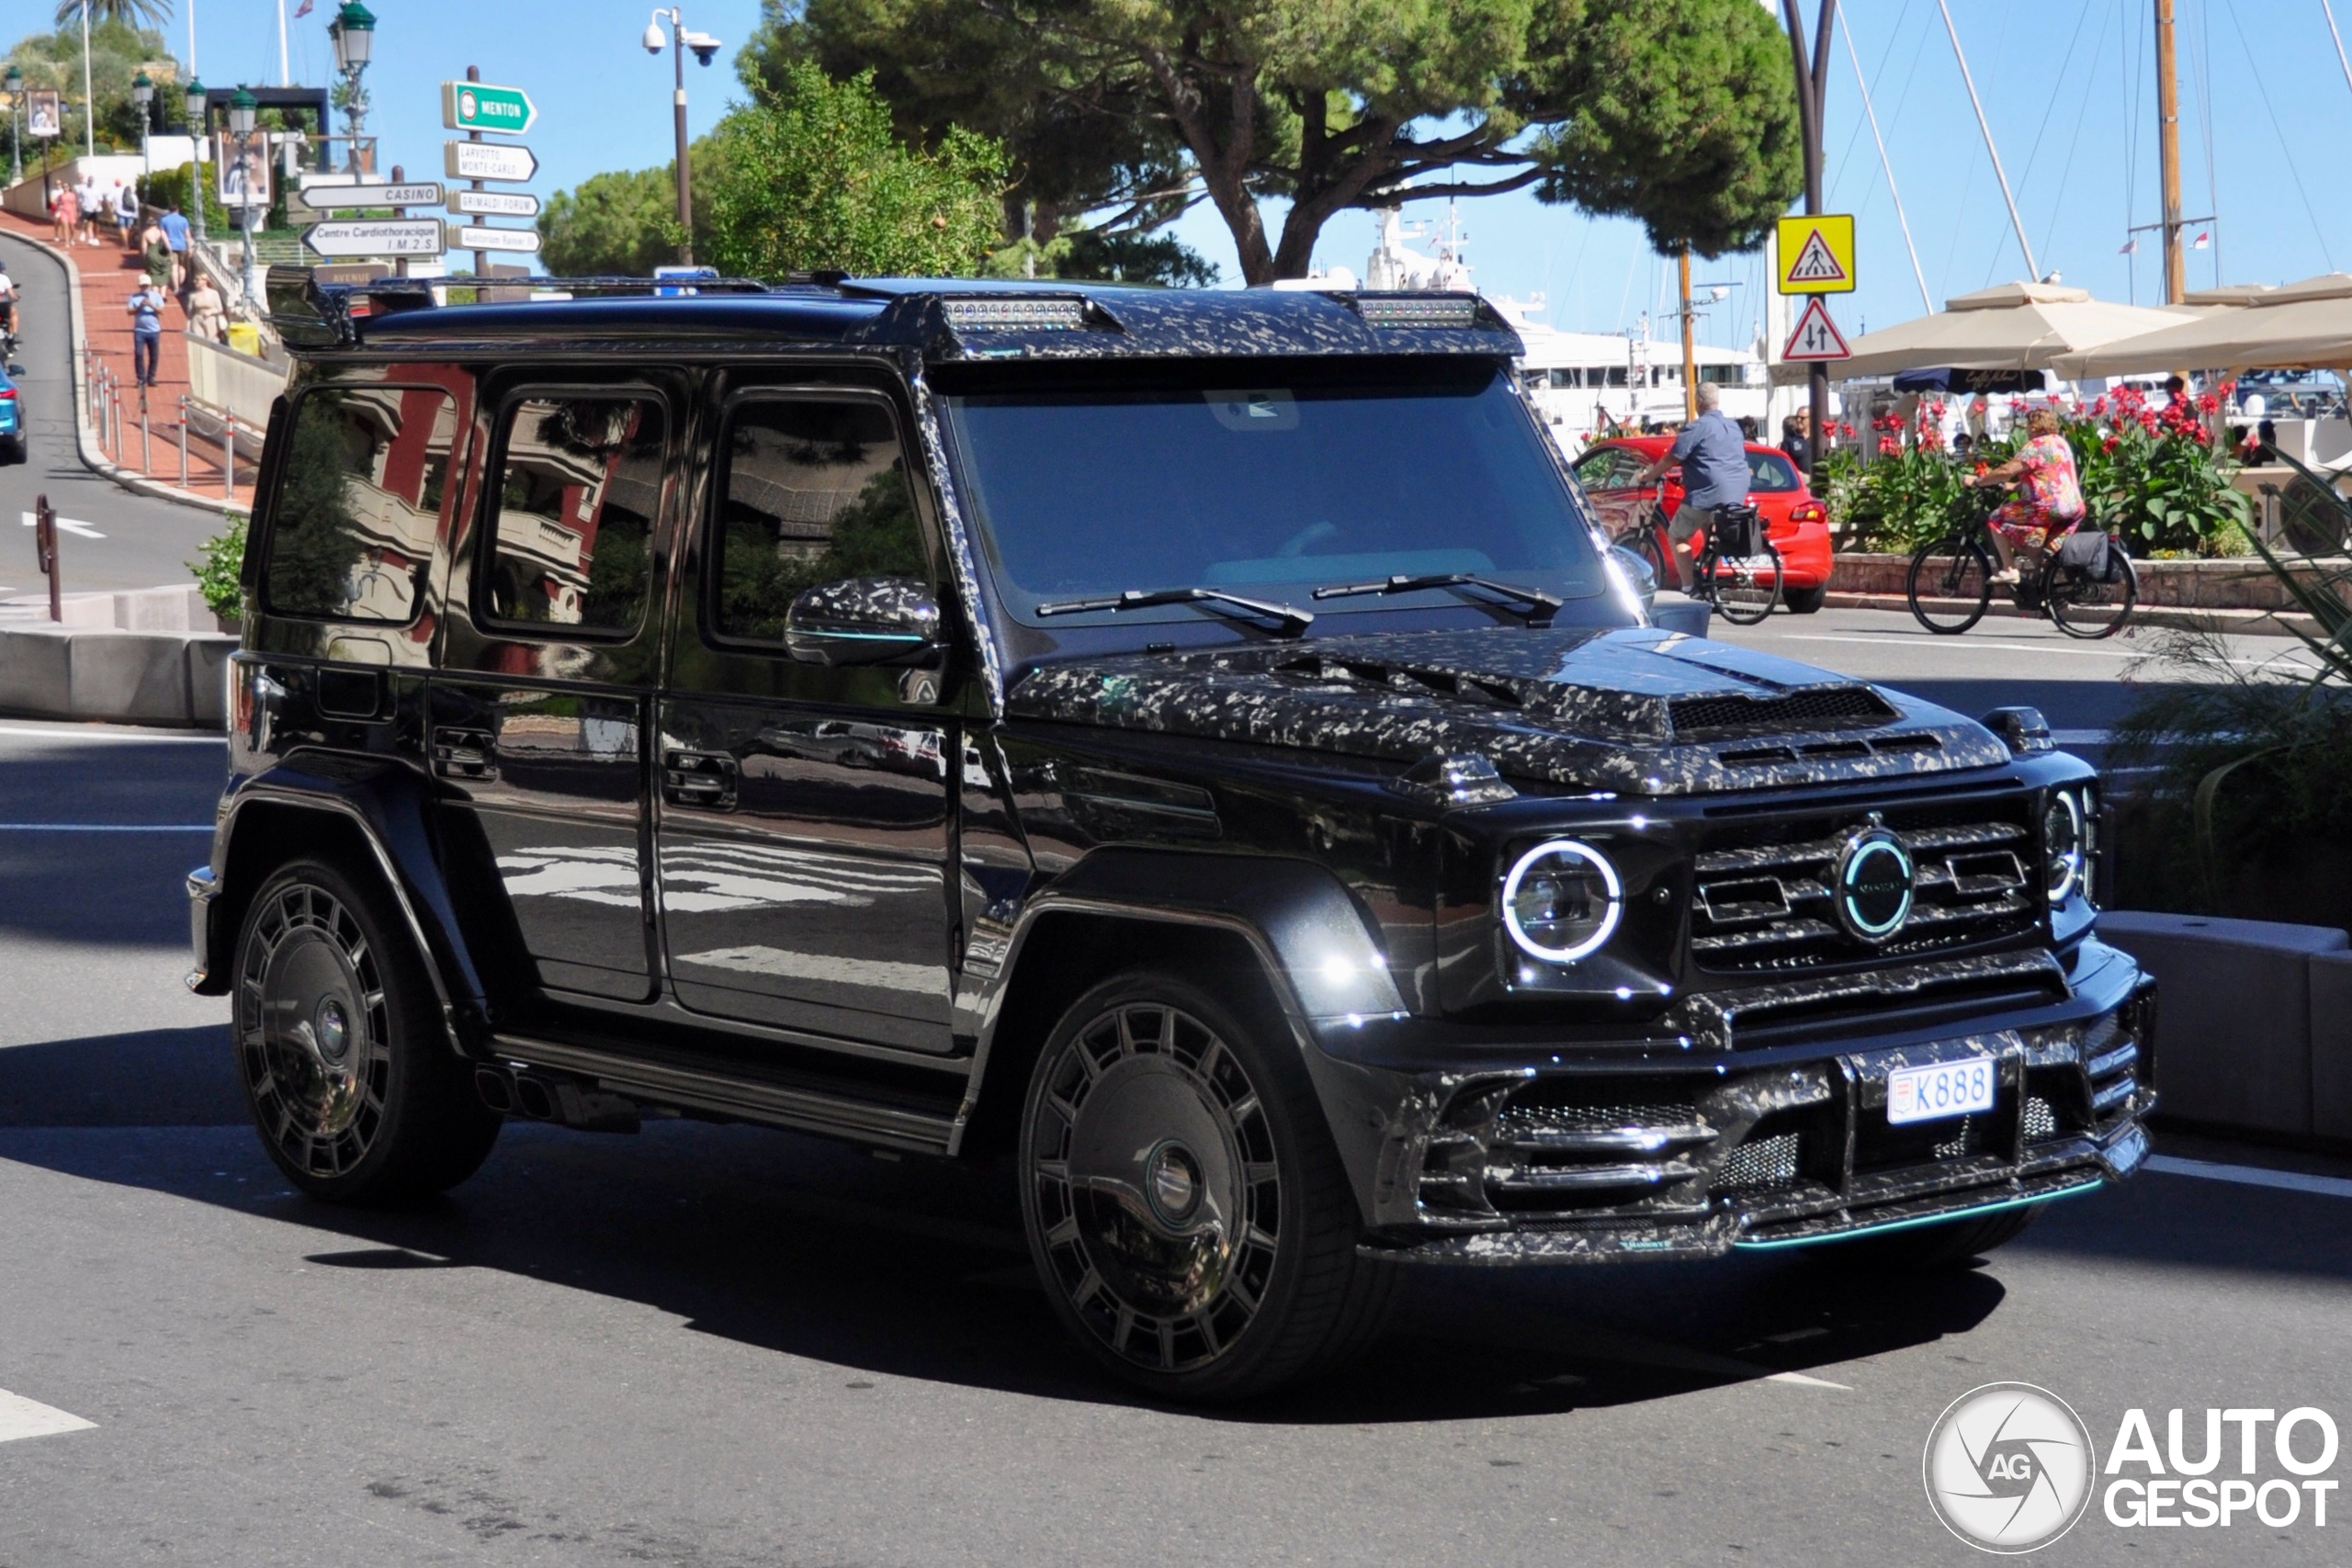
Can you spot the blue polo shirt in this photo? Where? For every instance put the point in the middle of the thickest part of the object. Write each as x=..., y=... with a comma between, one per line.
x=1713, y=451
x=174, y=228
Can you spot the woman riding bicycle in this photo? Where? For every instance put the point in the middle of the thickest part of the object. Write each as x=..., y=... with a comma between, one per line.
x=2049, y=500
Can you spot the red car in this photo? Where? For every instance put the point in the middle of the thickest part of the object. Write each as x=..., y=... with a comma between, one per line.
x=1798, y=523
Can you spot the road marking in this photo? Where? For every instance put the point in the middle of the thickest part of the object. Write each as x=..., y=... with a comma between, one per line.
x=2251, y=1176
x=1917, y=641
x=1804, y=1381
x=105, y=827
x=71, y=524
x=21, y=1418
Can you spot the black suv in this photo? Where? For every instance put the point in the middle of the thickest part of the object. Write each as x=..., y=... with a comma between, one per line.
x=1195, y=746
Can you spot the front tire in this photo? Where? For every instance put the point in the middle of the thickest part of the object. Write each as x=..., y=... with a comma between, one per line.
x=1806, y=600
x=350, y=1078
x=1185, y=1208
x=1950, y=585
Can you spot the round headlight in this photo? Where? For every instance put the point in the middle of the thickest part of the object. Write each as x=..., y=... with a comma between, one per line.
x=1561, y=900
x=2065, y=845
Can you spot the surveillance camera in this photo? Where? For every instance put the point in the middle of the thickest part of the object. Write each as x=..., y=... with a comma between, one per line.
x=704, y=45
x=652, y=39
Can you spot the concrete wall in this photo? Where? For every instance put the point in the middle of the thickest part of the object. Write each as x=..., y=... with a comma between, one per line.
x=131, y=677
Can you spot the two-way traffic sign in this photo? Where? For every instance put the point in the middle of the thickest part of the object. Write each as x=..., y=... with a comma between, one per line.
x=478, y=105
x=377, y=237
x=416, y=193
x=488, y=161
x=1816, y=338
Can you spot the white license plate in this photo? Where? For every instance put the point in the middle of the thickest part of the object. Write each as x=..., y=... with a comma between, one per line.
x=1947, y=1088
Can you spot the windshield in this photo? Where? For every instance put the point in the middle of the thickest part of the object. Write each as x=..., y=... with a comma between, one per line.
x=1272, y=487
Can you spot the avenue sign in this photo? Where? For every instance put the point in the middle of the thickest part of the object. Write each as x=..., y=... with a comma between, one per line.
x=473, y=237
x=494, y=203
x=377, y=237
x=488, y=161
x=416, y=193
x=477, y=106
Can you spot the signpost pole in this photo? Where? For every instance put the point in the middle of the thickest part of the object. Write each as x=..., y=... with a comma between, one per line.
x=481, y=264
x=1813, y=83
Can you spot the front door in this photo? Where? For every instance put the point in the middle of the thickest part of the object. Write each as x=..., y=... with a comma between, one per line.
x=803, y=830
x=539, y=713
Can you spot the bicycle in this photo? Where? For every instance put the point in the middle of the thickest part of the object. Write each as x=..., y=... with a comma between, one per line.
x=2086, y=585
x=1740, y=575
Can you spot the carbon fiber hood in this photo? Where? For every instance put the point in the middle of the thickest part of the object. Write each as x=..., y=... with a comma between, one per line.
x=1635, y=710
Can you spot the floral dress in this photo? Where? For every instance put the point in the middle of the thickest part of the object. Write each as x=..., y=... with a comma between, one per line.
x=2049, y=501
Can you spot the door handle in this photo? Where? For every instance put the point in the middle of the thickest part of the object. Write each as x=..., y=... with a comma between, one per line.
x=705, y=779
x=465, y=754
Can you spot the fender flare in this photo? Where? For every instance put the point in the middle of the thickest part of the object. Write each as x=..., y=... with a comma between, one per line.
x=386, y=806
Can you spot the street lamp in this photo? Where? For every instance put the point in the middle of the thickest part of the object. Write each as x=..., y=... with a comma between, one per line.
x=352, y=32
x=16, y=81
x=241, y=125
x=704, y=46
x=193, y=98
x=142, y=92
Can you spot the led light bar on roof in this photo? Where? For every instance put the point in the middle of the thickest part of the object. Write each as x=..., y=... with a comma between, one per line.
x=1449, y=310
x=1052, y=315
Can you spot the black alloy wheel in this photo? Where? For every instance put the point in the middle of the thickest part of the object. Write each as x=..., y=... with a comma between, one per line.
x=2087, y=607
x=1949, y=584
x=350, y=1078
x=1184, y=1206
x=1743, y=588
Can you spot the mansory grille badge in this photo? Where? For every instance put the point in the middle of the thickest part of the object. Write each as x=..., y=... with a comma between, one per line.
x=1874, y=882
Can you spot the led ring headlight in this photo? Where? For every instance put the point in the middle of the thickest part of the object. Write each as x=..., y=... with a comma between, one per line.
x=2062, y=845
x=1562, y=900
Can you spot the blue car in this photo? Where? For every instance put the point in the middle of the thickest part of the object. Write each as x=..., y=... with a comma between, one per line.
x=12, y=421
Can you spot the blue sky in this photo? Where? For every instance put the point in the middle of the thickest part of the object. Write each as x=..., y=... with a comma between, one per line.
x=2068, y=86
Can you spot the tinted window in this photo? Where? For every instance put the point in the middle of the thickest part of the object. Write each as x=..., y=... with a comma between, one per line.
x=811, y=491
x=1771, y=471
x=360, y=503
x=579, y=482
x=1275, y=487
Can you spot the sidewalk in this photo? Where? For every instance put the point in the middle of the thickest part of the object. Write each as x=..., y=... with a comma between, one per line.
x=105, y=277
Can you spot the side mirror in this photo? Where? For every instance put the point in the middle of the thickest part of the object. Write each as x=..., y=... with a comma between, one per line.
x=1636, y=568
x=863, y=620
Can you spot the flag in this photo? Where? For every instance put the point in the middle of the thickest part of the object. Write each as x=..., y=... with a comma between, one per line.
x=2202, y=242
x=302, y=10
x=2130, y=247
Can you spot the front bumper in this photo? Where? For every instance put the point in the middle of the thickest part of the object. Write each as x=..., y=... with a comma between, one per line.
x=1590, y=1161
x=203, y=888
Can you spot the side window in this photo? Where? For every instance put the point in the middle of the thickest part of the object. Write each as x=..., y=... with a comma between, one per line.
x=1594, y=467
x=359, y=504
x=810, y=491
x=579, y=483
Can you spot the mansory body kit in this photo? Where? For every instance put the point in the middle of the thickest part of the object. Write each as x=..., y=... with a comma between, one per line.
x=1195, y=746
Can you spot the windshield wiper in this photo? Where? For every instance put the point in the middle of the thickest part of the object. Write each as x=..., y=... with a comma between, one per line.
x=1537, y=606
x=1292, y=623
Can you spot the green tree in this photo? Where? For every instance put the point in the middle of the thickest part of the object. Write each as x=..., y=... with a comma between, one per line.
x=623, y=223
x=1679, y=113
x=812, y=177
x=138, y=13
x=119, y=53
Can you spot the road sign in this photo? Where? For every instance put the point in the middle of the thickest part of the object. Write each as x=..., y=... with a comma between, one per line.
x=416, y=193
x=477, y=106
x=376, y=237
x=1817, y=254
x=494, y=203
x=488, y=161
x=1817, y=339
x=473, y=237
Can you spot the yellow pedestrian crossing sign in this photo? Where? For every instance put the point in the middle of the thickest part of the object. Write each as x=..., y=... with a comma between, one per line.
x=1816, y=253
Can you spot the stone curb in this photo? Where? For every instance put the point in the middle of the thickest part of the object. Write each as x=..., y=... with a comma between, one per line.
x=168, y=678
x=85, y=441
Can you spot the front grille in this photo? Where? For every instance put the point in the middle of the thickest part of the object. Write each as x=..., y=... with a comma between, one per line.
x=1828, y=707
x=2041, y=1119
x=1560, y=1146
x=1763, y=898
x=1758, y=1164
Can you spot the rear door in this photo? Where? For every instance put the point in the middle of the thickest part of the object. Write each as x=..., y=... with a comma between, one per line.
x=539, y=712
x=804, y=830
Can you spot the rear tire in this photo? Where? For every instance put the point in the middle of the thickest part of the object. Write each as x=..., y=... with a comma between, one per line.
x=1950, y=585
x=2090, y=610
x=1806, y=600
x=1930, y=1249
x=1745, y=588
x=347, y=1071
x=1186, y=1211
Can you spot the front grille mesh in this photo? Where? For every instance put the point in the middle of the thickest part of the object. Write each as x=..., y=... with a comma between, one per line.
x=1829, y=707
x=1768, y=1162
x=2041, y=1119
x=1764, y=901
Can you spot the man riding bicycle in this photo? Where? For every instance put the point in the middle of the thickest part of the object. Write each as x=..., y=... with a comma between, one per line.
x=2048, y=502
x=1713, y=451
x=7, y=303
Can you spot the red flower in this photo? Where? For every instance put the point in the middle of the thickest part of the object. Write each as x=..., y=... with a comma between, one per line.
x=1888, y=447
x=2110, y=445
x=2206, y=403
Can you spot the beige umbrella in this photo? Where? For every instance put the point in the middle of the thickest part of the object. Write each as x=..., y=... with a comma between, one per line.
x=2016, y=326
x=2300, y=326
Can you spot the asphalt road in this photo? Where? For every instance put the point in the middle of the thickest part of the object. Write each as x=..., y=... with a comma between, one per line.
x=720, y=1345
x=117, y=540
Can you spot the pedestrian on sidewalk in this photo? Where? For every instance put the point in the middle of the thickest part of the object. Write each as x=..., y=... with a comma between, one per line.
x=65, y=211
x=207, y=317
x=87, y=197
x=157, y=251
x=126, y=214
x=146, y=312
x=174, y=228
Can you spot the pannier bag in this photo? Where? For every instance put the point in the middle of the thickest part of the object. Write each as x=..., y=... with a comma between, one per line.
x=2084, y=553
x=1736, y=532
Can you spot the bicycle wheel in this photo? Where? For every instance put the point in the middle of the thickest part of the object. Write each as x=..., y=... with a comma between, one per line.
x=2087, y=607
x=1743, y=588
x=1949, y=584
x=1644, y=543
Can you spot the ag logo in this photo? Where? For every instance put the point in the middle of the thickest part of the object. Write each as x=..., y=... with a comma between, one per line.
x=2008, y=1468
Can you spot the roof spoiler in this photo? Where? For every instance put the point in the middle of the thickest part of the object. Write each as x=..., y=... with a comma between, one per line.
x=309, y=314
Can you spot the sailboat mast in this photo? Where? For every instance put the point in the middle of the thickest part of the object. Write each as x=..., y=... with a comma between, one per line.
x=2168, y=154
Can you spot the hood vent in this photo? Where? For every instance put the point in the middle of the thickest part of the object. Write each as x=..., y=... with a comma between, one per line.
x=1826, y=707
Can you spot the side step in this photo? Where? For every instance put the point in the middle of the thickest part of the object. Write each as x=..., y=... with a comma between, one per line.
x=744, y=1098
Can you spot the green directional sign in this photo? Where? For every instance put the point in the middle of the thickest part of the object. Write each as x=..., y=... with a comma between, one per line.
x=478, y=105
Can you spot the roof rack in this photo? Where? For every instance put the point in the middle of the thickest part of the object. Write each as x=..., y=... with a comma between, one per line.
x=309, y=314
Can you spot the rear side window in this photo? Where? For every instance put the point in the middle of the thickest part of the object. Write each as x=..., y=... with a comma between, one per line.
x=359, y=506
x=1610, y=468
x=570, y=537
x=812, y=490
x=1770, y=471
